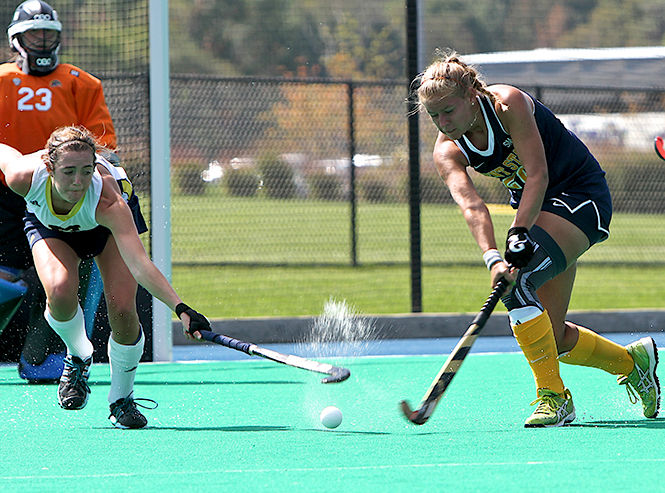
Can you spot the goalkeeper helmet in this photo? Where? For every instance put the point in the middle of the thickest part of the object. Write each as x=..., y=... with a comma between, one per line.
x=34, y=33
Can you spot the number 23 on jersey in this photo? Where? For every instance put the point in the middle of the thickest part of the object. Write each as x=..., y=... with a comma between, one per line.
x=30, y=99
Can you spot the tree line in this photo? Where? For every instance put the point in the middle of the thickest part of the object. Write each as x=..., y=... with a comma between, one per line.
x=366, y=40
x=337, y=38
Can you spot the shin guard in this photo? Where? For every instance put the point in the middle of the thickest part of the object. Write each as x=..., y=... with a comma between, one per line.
x=595, y=351
x=124, y=361
x=536, y=338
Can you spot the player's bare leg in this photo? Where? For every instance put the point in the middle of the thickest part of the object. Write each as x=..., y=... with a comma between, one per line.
x=57, y=266
x=125, y=346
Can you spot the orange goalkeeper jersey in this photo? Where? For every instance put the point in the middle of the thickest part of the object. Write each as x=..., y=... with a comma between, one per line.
x=31, y=107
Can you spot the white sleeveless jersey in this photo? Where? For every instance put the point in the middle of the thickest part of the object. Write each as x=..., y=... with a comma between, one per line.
x=82, y=215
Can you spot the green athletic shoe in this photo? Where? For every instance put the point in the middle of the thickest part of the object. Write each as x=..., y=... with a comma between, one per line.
x=643, y=381
x=554, y=410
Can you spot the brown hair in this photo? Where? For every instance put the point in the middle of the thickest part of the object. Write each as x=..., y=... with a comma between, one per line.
x=446, y=76
x=74, y=138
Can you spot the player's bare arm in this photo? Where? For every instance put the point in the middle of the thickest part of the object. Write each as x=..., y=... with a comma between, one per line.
x=17, y=169
x=450, y=163
x=113, y=213
x=515, y=110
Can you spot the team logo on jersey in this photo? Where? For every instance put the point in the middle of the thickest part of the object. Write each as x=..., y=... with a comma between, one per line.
x=511, y=173
x=69, y=229
x=508, y=142
x=55, y=83
x=16, y=81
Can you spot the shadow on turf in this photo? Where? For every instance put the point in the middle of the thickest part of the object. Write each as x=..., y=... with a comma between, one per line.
x=258, y=428
x=204, y=366
x=147, y=384
x=347, y=432
x=222, y=428
x=219, y=382
x=654, y=424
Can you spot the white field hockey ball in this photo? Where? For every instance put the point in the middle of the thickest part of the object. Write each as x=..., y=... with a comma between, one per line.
x=331, y=417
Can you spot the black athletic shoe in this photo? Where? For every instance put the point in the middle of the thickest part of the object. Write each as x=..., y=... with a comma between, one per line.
x=124, y=413
x=73, y=390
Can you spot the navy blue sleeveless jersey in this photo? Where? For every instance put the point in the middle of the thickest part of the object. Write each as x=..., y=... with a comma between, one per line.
x=570, y=164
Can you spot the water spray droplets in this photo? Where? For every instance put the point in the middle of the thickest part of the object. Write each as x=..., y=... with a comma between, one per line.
x=340, y=331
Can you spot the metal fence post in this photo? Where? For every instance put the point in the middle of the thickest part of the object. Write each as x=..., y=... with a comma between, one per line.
x=412, y=72
x=352, y=176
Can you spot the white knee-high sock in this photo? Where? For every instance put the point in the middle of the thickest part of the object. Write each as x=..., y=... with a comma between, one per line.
x=124, y=360
x=72, y=332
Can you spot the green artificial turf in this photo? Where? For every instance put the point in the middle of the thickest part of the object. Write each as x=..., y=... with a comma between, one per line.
x=253, y=426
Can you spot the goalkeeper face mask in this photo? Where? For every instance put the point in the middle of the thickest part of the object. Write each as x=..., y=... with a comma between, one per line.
x=35, y=34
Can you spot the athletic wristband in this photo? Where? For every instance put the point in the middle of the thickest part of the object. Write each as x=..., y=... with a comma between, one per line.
x=181, y=308
x=196, y=320
x=491, y=257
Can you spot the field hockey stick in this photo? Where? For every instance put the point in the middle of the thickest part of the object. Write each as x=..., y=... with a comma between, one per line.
x=454, y=361
x=659, y=145
x=336, y=374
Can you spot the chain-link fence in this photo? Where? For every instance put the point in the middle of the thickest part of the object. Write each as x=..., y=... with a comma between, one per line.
x=270, y=162
x=109, y=40
x=263, y=167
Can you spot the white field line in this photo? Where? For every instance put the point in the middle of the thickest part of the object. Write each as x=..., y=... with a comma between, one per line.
x=282, y=470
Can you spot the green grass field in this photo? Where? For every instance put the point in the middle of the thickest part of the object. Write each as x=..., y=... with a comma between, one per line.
x=235, y=292
x=215, y=228
x=623, y=272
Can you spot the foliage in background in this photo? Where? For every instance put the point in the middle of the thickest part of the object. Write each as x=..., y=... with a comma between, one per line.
x=373, y=186
x=189, y=180
x=432, y=190
x=325, y=186
x=241, y=182
x=342, y=38
x=277, y=176
x=324, y=106
x=120, y=46
x=339, y=38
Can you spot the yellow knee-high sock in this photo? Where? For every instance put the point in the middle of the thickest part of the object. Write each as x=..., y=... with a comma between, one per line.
x=536, y=338
x=596, y=351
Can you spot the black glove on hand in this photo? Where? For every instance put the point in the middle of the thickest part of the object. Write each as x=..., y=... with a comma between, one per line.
x=196, y=320
x=519, y=247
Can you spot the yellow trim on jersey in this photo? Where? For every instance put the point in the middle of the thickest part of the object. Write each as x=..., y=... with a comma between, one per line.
x=49, y=202
x=126, y=187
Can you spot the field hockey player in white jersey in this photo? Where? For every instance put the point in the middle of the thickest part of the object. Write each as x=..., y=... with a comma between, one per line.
x=75, y=211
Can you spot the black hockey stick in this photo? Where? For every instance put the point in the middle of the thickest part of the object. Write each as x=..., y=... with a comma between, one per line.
x=335, y=374
x=659, y=145
x=454, y=361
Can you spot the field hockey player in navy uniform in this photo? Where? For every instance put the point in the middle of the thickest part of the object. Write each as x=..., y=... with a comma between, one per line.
x=76, y=209
x=563, y=207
